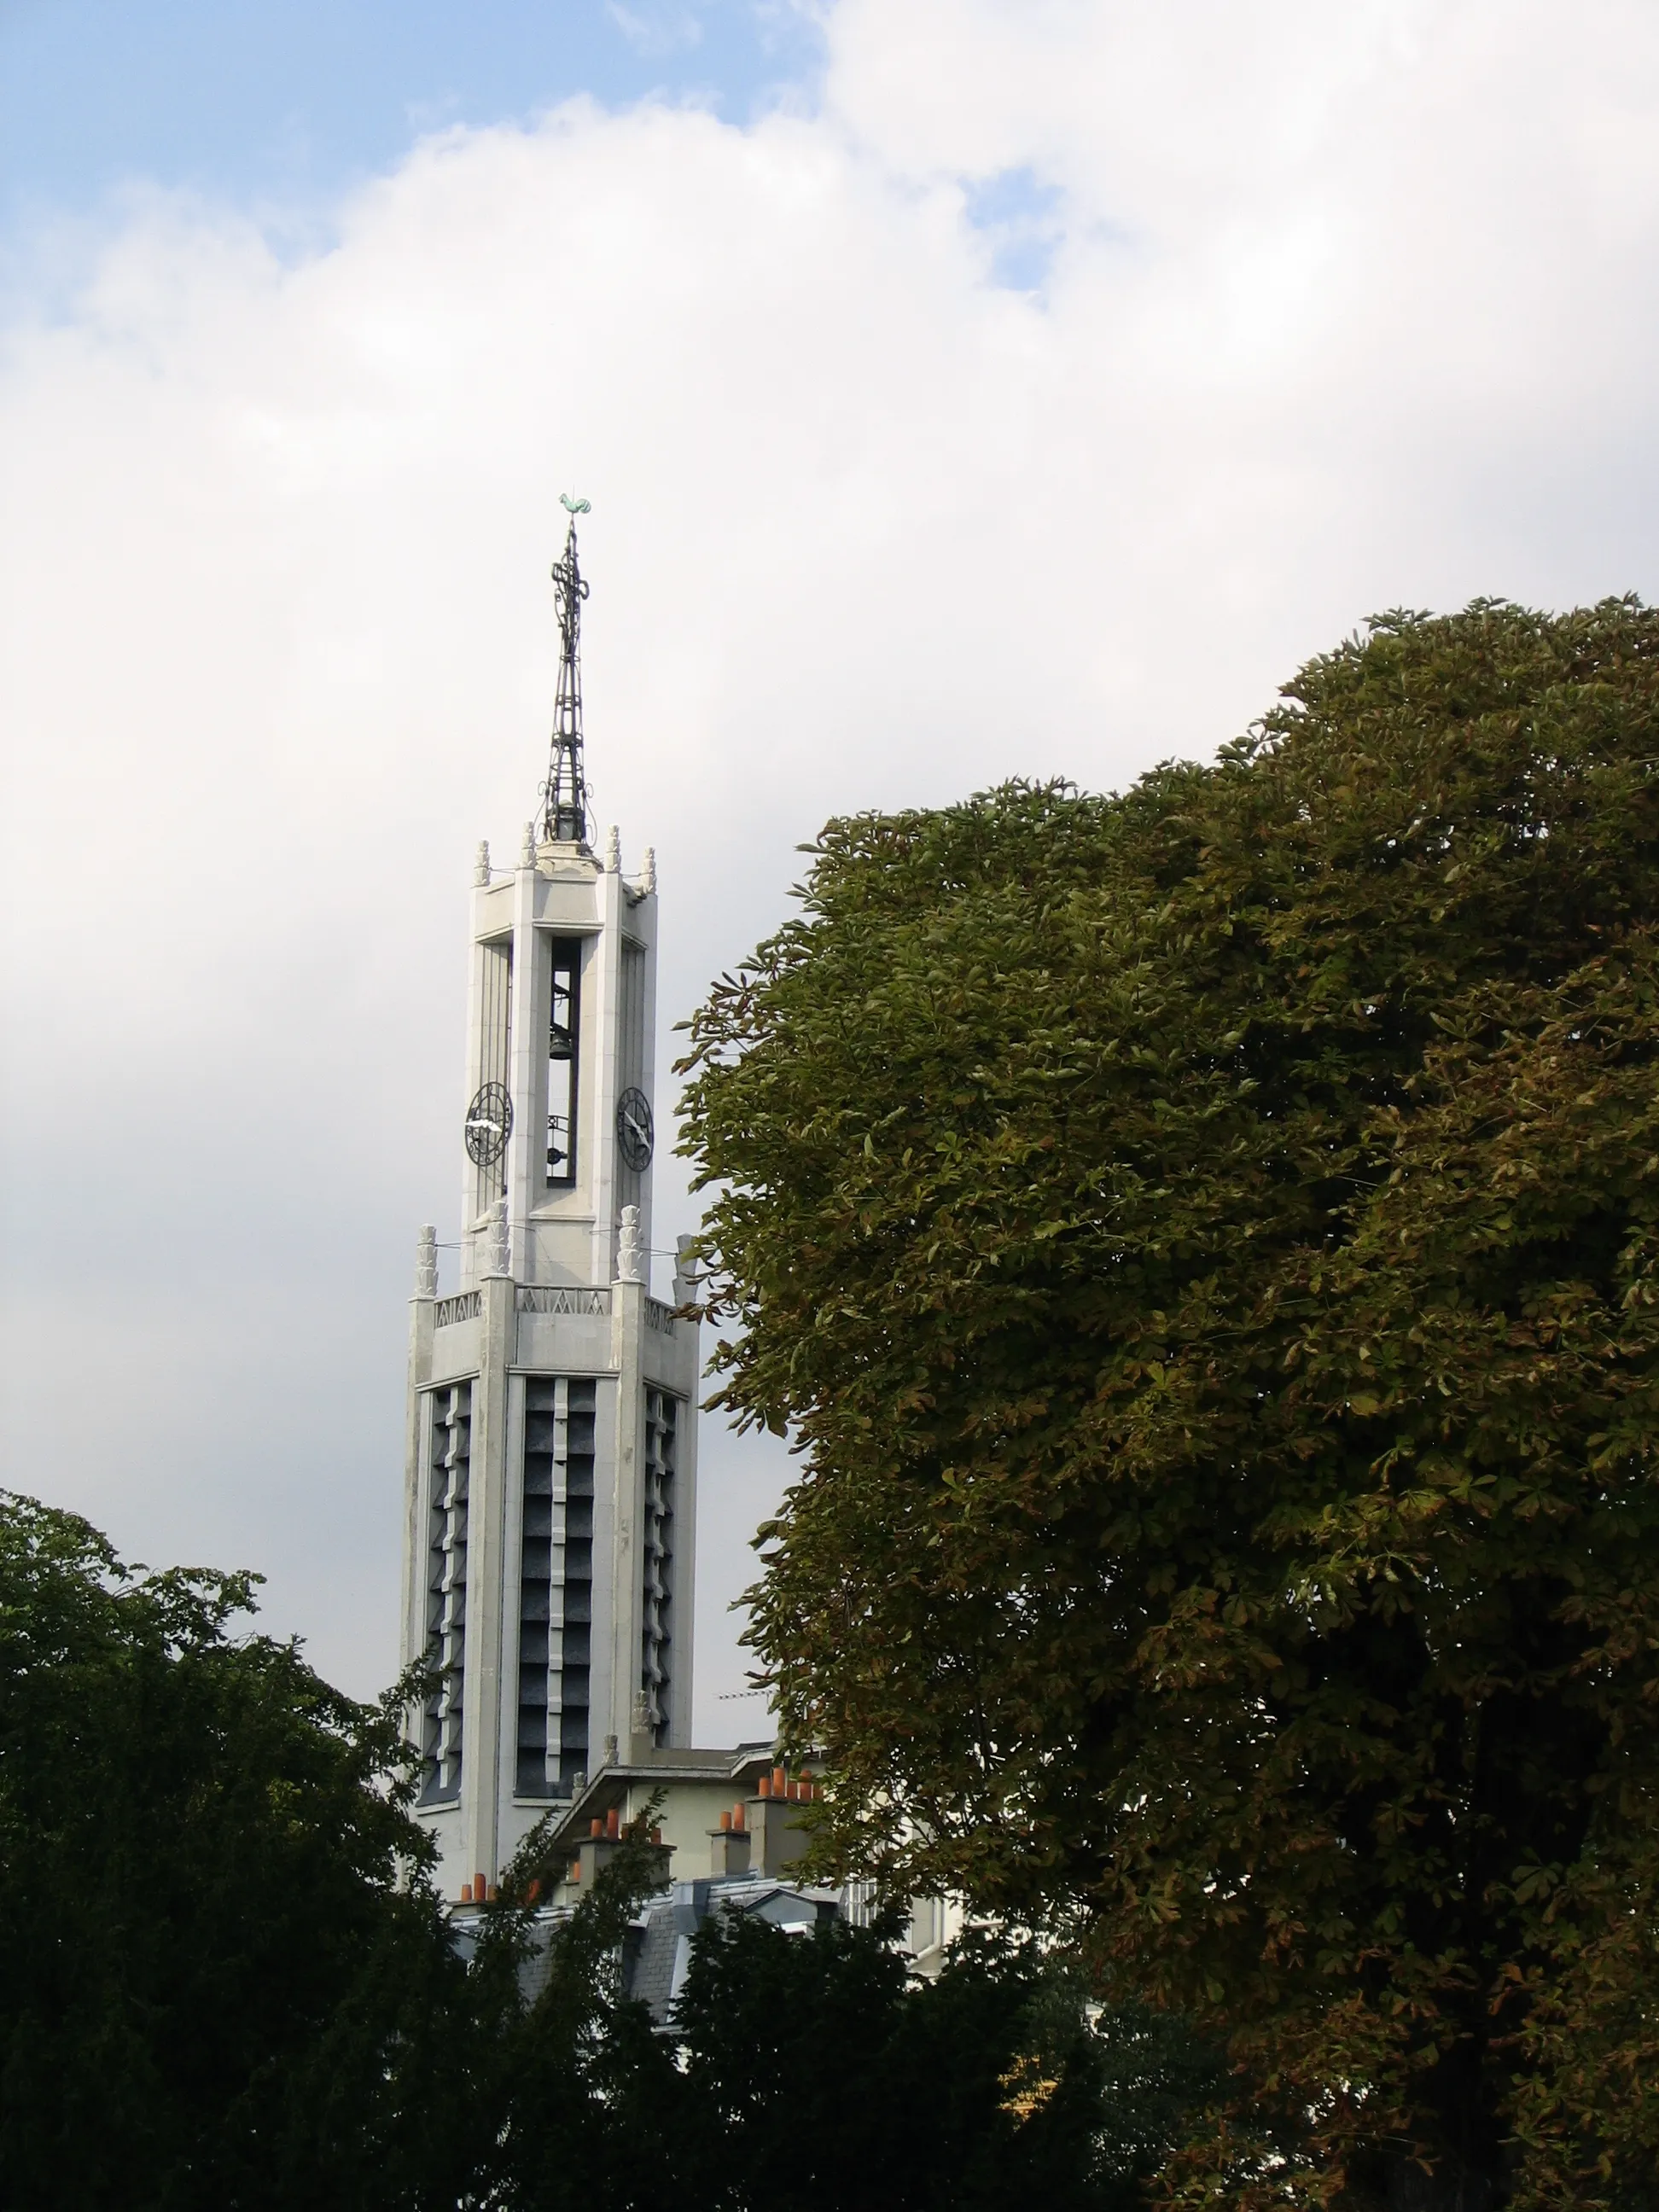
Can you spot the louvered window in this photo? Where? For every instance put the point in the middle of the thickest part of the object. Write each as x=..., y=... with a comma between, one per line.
x=449, y=1448
x=556, y=1583
x=657, y=1611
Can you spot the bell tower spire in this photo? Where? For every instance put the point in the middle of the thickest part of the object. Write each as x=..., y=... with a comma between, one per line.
x=551, y=1470
x=564, y=795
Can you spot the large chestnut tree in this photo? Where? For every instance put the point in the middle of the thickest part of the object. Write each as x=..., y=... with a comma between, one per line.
x=1202, y=1243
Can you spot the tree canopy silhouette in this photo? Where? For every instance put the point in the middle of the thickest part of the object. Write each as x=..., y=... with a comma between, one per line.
x=226, y=1981
x=1202, y=1242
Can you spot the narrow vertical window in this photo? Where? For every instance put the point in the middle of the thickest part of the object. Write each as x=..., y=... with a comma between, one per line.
x=448, y=1458
x=657, y=1622
x=563, y=1028
x=556, y=1584
x=495, y=1059
x=631, y=1063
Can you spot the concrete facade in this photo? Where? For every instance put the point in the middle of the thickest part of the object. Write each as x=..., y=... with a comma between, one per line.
x=550, y=1450
x=724, y=1813
x=550, y=1468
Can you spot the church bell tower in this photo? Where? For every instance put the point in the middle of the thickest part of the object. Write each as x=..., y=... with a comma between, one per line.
x=550, y=1467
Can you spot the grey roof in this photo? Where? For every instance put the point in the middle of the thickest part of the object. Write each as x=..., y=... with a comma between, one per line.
x=654, y=1968
x=657, y=1950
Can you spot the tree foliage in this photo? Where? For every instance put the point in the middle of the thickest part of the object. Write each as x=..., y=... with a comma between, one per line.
x=1203, y=1244
x=218, y=1985
x=584, y=2093
x=816, y=2066
x=226, y=1983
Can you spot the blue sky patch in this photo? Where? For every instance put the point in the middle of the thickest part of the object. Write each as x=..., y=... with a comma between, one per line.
x=257, y=100
x=1020, y=214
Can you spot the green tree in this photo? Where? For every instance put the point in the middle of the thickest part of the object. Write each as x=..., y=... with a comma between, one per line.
x=813, y=2066
x=223, y=1980
x=226, y=1983
x=818, y=2067
x=1202, y=1243
x=585, y=2098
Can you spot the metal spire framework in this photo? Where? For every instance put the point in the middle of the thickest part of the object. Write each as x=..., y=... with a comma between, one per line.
x=564, y=815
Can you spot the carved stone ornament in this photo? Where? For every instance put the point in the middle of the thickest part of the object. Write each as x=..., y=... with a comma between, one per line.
x=426, y=1263
x=648, y=878
x=527, y=849
x=498, y=1259
x=481, y=866
x=630, y=1258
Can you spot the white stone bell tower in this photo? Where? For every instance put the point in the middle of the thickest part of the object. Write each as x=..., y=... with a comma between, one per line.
x=551, y=1470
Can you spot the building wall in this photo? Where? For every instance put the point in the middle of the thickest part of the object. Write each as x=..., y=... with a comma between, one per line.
x=560, y=1296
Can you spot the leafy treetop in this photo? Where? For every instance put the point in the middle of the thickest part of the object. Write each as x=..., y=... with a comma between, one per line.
x=1202, y=1242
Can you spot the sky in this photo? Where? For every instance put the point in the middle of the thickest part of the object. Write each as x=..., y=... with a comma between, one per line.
x=964, y=389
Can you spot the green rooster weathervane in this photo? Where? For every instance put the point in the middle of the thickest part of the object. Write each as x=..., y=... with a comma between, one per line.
x=576, y=506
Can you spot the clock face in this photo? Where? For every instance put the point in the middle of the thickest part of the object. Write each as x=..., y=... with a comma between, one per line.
x=489, y=1124
x=634, y=1137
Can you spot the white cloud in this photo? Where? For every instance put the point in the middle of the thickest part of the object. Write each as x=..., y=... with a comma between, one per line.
x=655, y=31
x=1346, y=308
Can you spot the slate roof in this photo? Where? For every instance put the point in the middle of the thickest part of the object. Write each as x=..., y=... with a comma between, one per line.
x=657, y=1950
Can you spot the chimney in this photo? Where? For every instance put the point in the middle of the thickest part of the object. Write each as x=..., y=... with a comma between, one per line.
x=779, y=1838
x=728, y=1846
x=597, y=1848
